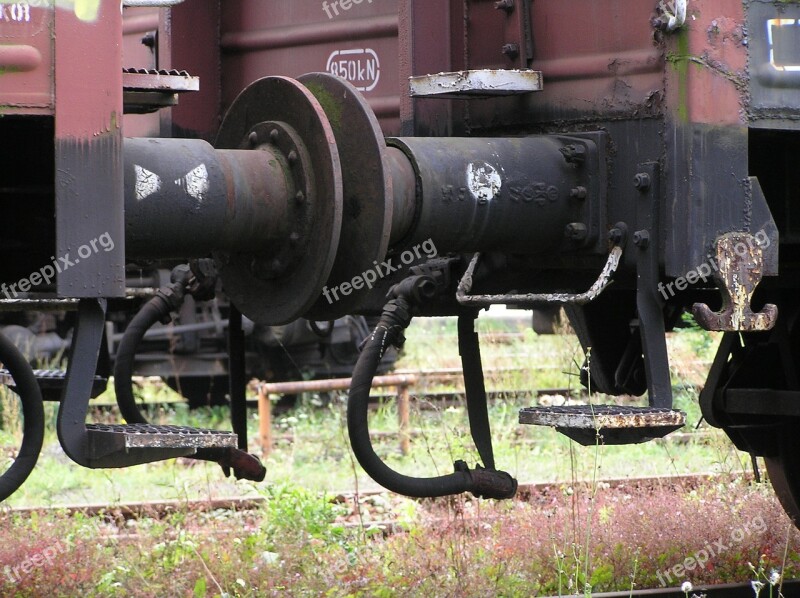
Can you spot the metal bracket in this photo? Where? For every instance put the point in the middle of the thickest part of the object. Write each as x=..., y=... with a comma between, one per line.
x=737, y=269
x=648, y=301
x=532, y=299
x=83, y=356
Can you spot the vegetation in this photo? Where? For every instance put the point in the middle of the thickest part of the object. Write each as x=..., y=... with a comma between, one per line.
x=586, y=536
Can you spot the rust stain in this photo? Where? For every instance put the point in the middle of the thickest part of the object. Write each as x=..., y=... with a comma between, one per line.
x=739, y=268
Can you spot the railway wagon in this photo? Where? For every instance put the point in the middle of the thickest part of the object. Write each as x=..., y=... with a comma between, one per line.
x=629, y=160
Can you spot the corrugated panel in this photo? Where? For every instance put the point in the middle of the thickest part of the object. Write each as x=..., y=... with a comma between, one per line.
x=355, y=40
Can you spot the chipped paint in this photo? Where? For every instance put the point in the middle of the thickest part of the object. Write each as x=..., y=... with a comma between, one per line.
x=147, y=183
x=195, y=182
x=739, y=270
x=483, y=181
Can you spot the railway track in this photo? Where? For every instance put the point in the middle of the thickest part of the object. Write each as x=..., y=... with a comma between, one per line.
x=160, y=509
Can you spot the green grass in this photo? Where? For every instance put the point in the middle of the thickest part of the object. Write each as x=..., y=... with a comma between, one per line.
x=301, y=543
x=312, y=448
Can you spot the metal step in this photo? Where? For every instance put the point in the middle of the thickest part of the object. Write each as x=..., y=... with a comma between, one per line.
x=608, y=424
x=149, y=90
x=52, y=382
x=117, y=445
x=484, y=83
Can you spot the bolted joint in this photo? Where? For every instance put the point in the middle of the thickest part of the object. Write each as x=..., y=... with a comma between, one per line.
x=642, y=181
x=506, y=5
x=510, y=50
x=576, y=231
x=616, y=235
x=641, y=238
x=574, y=153
x=579, y=193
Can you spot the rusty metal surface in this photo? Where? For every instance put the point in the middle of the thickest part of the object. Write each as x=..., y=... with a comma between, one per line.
x=147, y=435
x=185, y=199
x=89, y=201
x=502, y=194
x=358, y=43
x=601, y=416
x=738, y=268
x=606, y=424
x=138, y=79
x=532, y=299
x=368, y=196
x=335, y=384
x=475, y=83
x=26, y=59
x=285, y=294
x=139, y=51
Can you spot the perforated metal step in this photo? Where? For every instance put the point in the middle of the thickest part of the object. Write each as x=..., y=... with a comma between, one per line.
x=115, y=443
x=613, y=424
x=149, y=90
x=52, y=381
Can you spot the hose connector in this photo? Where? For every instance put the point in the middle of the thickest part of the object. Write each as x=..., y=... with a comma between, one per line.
x=488, y=483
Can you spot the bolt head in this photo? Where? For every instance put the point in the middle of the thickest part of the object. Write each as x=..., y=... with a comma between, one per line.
x=253, y=139
x=511, y=50
x=579, y=193
x=300, y=197
x=615, y=236
x=576, y=231
x=507, y=5
x=642, y=181
x=292, y=157
x=641, y=238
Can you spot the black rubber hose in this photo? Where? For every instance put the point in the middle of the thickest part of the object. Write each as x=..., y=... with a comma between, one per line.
x=157, y=310
x=30, y=394
x=153, y=311
x=386, y=334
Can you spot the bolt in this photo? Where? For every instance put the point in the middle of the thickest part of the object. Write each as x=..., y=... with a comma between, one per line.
x=574, y=154
x=274, y=135
x=511, y=50
x=576, y=231
x=253, y=139
x=292, y=157
x=615, y=236
x=579, y=193
x=300, y=197
x=294, y=238
x=641, y=238
x=276, y=266
x=642, y=181
x=506, y=5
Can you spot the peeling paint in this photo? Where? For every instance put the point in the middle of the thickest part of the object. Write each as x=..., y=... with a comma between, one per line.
x=483, y=181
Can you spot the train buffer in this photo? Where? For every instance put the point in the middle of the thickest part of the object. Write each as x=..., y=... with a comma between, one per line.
x=606, y=424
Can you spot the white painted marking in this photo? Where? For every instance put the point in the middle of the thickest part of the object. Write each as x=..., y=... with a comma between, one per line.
x=147, y=183
x=483, y=181
x=359, y=66
x=195, y=182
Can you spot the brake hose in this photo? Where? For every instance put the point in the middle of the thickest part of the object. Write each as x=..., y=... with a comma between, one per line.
x=396, y=317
